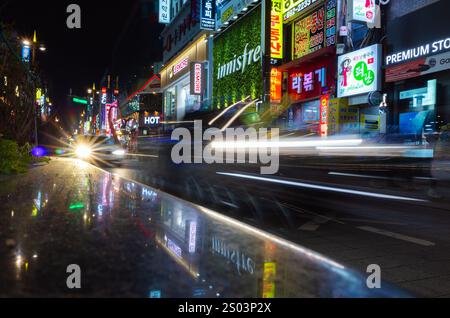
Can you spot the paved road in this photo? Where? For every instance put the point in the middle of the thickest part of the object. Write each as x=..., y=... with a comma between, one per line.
x=131, y=240
x=359, y=213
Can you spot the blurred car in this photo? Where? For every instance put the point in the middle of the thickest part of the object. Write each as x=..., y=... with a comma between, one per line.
x=98, y=149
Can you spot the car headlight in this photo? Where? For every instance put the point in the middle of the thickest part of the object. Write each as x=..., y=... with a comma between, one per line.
x=83, y=151
x=118, y=152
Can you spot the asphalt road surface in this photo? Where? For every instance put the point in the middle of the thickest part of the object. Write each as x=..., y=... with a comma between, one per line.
x=70, y=229
x=356, y=211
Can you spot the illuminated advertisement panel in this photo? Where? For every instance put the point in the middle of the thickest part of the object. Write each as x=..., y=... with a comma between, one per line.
x=164, y=11
x=276, y=30
x=359, y=71
x=315, y=31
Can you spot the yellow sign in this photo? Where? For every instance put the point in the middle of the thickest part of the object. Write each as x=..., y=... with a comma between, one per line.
x=38, y=94
x=276, y=30
x=269, y=275
x=289, y=4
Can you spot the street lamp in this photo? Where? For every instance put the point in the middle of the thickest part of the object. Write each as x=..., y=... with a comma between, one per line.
x=89, y=91
x=26, y=42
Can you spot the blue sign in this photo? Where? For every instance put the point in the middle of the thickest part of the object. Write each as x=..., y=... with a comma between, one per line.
x=26, y=53
x=155, y=294
x=208, y=15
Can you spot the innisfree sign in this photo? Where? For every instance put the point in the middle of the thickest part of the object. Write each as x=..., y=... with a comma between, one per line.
x=239, y=63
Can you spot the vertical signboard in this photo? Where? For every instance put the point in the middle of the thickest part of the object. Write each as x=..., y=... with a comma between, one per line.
x=359, y=71
x=276, y=78
x=164, y=11
x=276, y=30
x=324, y=100
x=26, y=53
x=208, y=15
x=197, y=82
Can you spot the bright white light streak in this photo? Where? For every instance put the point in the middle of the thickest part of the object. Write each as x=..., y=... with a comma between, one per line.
x=270, y=237
x=356, y=175
x=225, y=110
x=238, y=114
x=319, y=187
x=286, y=144
x=347, y=147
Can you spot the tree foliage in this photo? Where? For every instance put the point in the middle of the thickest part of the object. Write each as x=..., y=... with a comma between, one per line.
x=17, y=93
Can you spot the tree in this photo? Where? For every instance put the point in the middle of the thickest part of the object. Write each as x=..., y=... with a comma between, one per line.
x=17, y=89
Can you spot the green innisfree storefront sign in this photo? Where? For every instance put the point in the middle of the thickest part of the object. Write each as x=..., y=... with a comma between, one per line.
x=237, y=59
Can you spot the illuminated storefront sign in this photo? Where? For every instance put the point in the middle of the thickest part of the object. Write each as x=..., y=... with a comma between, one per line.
x=359, y=71
x=180, y=66
x=294, y=7
x=164, y=11
x=324, y=100
x=198, y=78
x=418, y=67
x=79, y=101
x=276, y=78
x=315, y=31
x=361, y=11
x=312, y=81
x=276, y=30
x=237, y=61
x=151, y=120
x=420, y=51
x=208, y=15
x=26, y=53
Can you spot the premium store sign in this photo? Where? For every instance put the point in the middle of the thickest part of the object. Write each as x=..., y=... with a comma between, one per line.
x=359, y=71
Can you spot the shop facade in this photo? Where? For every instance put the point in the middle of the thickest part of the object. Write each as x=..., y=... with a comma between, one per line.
x=185, y=76
x=417, y=74
x=307, y=63
x=178, y=79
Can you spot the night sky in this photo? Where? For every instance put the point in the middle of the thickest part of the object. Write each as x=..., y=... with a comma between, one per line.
x=116, y=37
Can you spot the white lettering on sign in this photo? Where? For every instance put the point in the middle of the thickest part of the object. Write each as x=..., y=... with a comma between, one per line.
x=240, y=63
x=180, y=66
x=423, y=50
x=197, y=78
x=154, y=120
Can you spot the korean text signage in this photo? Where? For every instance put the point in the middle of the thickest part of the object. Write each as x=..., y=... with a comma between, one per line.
x=359, y=71
x=361, y=11
x=315, y=31
x=324, y=100
x=420, y=51
x=276, y=30
x=208, y=15
x=292, y=8
x=276, y=78
x=312, y=81
x=237, y=61
x=197, y=83
x=164, y=11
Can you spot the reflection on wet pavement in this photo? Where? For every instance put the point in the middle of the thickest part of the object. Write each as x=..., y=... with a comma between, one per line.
x=133, y=241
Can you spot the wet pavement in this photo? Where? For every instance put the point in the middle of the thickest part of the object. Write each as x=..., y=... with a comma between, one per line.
x=131, y=240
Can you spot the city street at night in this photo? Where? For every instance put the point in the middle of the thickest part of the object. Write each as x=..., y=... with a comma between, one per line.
x=219, y=154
